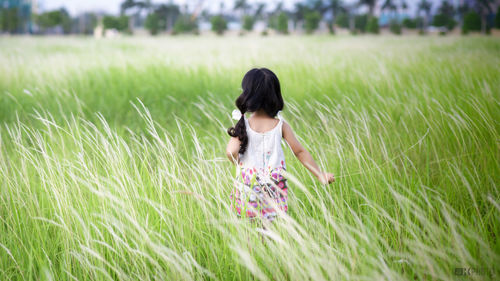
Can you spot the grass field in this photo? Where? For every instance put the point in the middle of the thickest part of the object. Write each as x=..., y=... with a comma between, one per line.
x=112, y=159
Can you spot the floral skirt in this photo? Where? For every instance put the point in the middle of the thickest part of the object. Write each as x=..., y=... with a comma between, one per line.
x=260, y=199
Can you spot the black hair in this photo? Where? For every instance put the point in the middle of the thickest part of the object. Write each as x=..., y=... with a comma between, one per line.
x=261, y=90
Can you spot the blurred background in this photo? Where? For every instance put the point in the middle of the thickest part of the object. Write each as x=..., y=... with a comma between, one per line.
x=131, y=17
x=113, y=128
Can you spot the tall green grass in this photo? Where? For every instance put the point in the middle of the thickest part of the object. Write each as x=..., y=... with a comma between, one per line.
x=112, y=159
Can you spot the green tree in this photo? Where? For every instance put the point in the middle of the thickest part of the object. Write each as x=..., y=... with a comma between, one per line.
x=275, y=17
x=120, y=23
x=184, y=24
x=248, y=22
x=360, y=22
x=497, y=18
x=441, y=20
x=12, y=20
x=85, y=23
x=370, y=4
x=219, y=24
x=299, y=14
x=138, y=6
x=312, y=21
x=167, y=14
x=163, y=17
x=451, y=24
x=65, y=21
x=395, y=27
x=410, y=23
x=472, y=22
x=424, y=6
x=372, y=25
x=272, y=21
x=336, y=7
x=461, y=11
x=444, y=17
x=109, y=22
x=47, y=20
x=391, y=7
x=152, y=23
x=342, y=20
x=282, y=25
x=241, y=5
x=485, y=9
x=54, y=18
x=259, y=12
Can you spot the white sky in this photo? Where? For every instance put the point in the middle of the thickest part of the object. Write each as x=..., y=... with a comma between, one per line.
x=113, y=6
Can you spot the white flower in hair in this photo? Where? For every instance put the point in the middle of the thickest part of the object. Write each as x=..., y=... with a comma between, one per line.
x=236, y=114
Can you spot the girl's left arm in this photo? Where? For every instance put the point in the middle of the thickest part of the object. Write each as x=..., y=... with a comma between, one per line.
x=232, y=150
x=304, y=156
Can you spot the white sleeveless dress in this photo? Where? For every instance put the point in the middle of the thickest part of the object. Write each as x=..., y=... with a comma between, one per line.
x=260, y=185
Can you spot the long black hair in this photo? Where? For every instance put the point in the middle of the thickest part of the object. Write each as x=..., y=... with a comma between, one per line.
x=261, y=90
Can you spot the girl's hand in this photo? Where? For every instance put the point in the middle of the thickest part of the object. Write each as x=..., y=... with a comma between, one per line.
x=326, y=178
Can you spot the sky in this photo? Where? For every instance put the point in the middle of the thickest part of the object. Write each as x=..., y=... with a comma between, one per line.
x=113, y=6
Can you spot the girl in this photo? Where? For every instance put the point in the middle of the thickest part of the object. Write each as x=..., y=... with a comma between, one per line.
x=255, y=146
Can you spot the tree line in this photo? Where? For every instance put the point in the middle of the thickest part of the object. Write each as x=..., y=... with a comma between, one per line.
x=304, y=16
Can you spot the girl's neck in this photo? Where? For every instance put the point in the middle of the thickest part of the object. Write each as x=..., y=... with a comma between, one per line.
x=261, y=113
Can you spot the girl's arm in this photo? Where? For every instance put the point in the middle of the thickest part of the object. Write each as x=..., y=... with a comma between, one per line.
x=232, y=150
x=304, y=156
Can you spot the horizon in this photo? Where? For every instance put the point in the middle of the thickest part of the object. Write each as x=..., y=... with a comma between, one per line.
x=113, y=6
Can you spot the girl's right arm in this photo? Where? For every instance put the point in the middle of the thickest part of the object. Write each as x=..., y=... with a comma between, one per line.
x=304, y=156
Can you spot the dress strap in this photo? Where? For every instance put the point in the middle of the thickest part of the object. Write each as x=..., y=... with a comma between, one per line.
x=280, y=117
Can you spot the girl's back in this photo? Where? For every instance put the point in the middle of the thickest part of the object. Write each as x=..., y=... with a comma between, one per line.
x=260, y=179
x=264, y=151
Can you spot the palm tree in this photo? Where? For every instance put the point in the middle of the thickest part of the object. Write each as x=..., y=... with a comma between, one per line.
x=130, y=5
x=317, y=5
x=351, y=10
x=389, y=5
x=169, y=12
x=336, y=7
x=124, y=7
x=446, y=9
x=241, y=5
x=148, y=6
x=461, y=11
x=298, y=15
x=484, y=10
x=424, y=6
x=404, y=5
x=370, y=3
x=260, y=10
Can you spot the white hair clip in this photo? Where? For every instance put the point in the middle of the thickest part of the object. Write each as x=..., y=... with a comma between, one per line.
x=236, y=114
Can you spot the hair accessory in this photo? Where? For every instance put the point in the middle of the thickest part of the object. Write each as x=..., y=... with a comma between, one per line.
x=236, y=114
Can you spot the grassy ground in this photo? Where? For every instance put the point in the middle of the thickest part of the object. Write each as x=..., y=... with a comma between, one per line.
x=112, y=159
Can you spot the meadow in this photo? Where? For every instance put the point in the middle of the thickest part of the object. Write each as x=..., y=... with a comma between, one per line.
x=113, y=167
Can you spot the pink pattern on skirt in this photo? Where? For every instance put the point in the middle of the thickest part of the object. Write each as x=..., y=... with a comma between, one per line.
x=257, y=200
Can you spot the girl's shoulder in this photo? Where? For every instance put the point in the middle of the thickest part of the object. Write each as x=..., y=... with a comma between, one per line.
x=276, y=125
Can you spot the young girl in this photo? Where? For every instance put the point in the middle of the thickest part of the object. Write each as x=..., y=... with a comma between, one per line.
x=255, y=146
